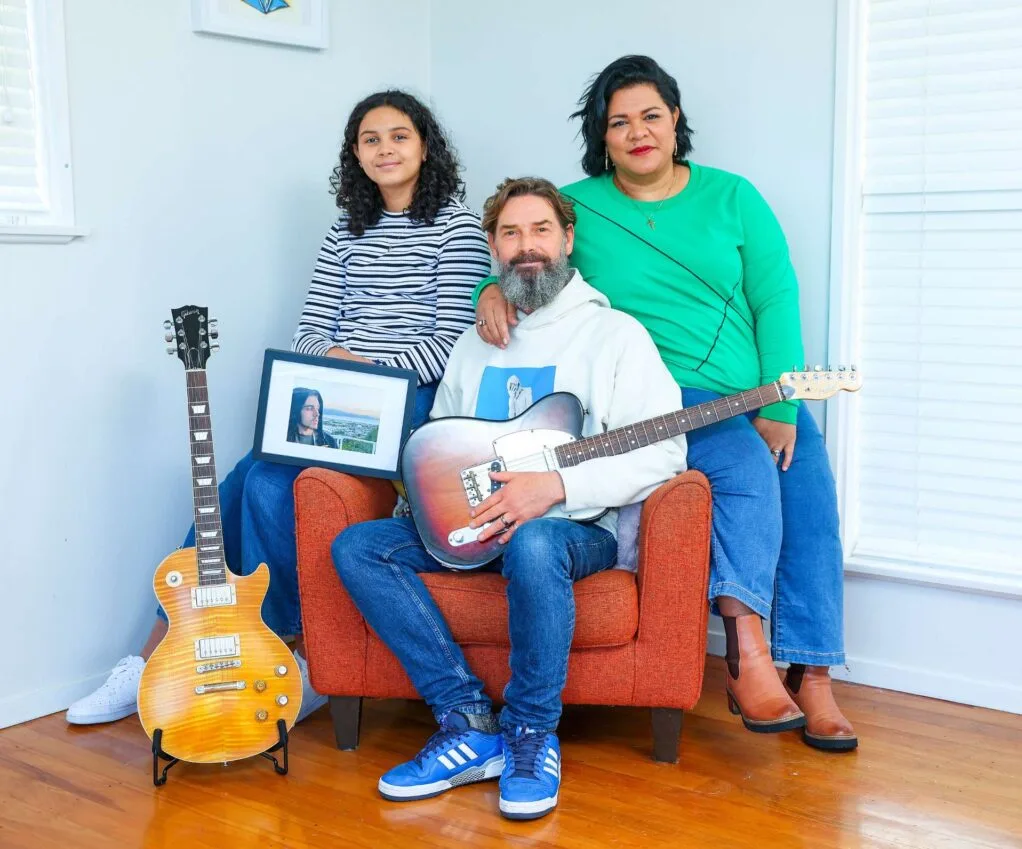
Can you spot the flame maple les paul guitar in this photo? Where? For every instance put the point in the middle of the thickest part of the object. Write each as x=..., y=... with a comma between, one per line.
x=221, y=685
x=446, y=463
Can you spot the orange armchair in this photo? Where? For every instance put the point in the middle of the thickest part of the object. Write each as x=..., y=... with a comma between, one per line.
x=640, y=639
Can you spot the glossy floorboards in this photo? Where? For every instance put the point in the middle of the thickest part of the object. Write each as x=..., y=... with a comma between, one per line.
x=927, y=774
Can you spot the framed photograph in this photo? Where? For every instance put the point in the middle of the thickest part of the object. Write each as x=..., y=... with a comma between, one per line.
x=321, y=411
x=302, y=23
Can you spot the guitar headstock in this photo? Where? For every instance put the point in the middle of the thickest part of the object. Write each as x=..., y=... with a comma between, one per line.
x=191, y=335
x=816, y=384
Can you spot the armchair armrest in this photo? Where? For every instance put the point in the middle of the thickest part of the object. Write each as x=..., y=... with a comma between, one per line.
x=673, y=577
x=326, y=502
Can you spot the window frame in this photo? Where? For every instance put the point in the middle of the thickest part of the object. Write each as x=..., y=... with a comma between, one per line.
x=842, y=422
x=49, y=70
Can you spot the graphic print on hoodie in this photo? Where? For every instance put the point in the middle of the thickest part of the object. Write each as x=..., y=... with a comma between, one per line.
x=508, y=392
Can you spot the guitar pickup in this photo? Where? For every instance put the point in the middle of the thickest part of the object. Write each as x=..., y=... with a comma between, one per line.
x=218, y=595
x=208, y=648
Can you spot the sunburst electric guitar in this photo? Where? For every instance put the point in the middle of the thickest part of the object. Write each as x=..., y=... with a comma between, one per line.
x=221, y=685
x=446, y=464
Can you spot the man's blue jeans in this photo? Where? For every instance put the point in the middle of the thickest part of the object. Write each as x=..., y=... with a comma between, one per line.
x=380, y=563
x=257, y=513
x=775, y=545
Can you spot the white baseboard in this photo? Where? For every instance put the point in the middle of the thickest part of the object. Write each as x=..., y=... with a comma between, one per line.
x=22, y=707
x=917, y=680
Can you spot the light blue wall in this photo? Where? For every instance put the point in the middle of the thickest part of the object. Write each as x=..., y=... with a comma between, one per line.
x=757, y=82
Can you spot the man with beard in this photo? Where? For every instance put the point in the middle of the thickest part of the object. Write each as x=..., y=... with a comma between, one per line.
x=568, y=339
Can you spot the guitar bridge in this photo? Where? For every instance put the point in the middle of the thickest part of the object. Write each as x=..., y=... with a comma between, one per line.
x=477, y=482
x=223, y=687
x=217, y=666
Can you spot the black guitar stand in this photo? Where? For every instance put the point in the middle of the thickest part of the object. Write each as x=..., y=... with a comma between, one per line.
x=160, y=778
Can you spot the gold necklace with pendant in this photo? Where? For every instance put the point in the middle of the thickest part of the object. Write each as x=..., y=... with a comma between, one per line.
x=650, y=216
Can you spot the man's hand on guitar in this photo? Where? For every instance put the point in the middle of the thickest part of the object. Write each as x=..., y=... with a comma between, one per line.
x=523, y=496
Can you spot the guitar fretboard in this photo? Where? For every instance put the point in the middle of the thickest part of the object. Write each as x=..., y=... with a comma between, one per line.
x=639, y=435
x=209, y=543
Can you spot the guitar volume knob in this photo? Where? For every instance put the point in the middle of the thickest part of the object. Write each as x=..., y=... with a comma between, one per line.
x=259, y=686
x=262, y=715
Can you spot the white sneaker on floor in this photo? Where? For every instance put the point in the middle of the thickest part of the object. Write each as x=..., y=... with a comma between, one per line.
x=115, y=699
x=311, y=700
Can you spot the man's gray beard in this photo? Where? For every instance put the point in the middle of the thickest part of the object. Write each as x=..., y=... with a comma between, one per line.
x=531, y=292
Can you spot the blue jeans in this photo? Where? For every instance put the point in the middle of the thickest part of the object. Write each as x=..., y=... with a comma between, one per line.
x=775, y=543
x=380, y=563
x=257, y=513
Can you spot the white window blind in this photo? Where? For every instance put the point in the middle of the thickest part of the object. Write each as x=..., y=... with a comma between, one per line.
x=22, y=177
x=939, y=446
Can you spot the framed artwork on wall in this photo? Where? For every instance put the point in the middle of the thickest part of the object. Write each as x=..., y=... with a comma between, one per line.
x=301, y=23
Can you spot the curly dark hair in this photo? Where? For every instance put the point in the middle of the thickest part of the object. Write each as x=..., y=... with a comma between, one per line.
x=625, y=72
x=438, y=179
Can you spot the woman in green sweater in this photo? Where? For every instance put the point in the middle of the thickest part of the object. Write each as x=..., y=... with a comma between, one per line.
x=697, y=256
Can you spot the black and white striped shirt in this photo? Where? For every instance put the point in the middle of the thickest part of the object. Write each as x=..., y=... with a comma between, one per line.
x=400, y=293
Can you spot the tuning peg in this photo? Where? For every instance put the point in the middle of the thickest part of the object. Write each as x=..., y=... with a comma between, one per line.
x=168, y=336
x=167, y=325
x=213, y=332
x=171, y=350
x=817, y=368
x=214, y=347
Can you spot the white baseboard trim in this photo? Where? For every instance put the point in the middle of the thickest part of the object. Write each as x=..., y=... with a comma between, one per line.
x=22, y=707
x=916, y=680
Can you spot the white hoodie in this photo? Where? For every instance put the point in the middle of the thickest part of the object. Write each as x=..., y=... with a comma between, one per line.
x=576, y=344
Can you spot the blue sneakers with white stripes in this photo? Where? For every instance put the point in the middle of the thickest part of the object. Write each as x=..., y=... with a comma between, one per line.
x=532, y=774
x=456, y=754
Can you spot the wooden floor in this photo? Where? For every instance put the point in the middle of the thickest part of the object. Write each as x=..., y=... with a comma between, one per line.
x=927, y=774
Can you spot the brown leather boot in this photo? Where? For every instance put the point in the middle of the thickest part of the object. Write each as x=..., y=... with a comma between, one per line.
x=754, y=689
x=826, y=727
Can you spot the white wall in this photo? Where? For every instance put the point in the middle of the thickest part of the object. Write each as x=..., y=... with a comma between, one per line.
x=756, y=79
x=201, y=169
x=757, y=83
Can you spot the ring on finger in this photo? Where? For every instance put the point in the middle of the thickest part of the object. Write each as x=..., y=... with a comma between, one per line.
x=481, y=322
x=507, y=524
x=776, y=452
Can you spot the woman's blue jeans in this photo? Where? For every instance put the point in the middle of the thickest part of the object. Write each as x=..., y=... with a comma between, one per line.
x=257, y=513
x=775, y=544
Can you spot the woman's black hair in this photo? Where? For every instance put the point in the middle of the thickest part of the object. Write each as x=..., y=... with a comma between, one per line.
x=623, y=73
x=438, y=180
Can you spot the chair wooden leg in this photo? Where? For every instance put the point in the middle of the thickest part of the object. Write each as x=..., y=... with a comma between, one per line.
x=346, y=713
x=666, y=734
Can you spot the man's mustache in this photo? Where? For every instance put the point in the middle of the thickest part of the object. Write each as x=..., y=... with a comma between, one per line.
x=530, y=256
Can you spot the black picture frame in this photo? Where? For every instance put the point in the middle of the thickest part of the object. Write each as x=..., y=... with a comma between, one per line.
x=330, y=371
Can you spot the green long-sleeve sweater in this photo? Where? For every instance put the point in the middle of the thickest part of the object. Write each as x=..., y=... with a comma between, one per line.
x=733, y=329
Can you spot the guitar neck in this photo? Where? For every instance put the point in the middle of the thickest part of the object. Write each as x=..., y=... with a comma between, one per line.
x=209, y=544
x=631, y=437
